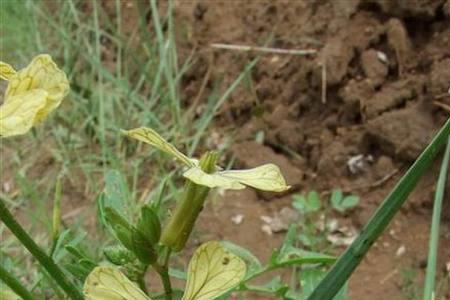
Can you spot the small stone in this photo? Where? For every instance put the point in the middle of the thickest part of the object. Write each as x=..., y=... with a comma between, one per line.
x=237, y=219
x=266, y=229
x=400, y=251
x=359, y=163
x=383, y=57
x=373, y=67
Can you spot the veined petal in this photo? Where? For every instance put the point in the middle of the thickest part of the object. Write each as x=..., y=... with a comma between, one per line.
x=212, y=271
x=149, y=136
x=267, y=177
x=19, y=113
x=196, y=175
x=108, y=283
x=43, y=74
x=6, y=71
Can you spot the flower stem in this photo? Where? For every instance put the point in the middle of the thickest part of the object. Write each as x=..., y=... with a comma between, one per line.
x=177, y=231
x=15, y=284
x=163, y=271
x=53, y=270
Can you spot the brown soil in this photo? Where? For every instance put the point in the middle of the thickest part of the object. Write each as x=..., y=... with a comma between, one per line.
x=371, y=89
x=386, y=63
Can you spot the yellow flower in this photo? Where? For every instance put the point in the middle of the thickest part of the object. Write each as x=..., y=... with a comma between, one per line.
x=267, y=177
x=212, y=272
x=32, y=93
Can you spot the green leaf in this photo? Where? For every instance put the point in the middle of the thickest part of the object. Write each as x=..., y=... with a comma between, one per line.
x=308, y=204
x=125, y=236
x=78, y=253
x=341, y=203
x=149, y=224
x=253, y=263
x=430, y=278
x=116, y=192
x=336, y=198
x=121, y=228
x=310, y=278
x=350, y=202
x=290, y=255
x=143, y=247
x=78, y=271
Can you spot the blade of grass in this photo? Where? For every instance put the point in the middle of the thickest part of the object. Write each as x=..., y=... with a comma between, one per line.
x=52, y=268
x=15, y=284
x=430, y=278
x=352, y=257
x=101, y=107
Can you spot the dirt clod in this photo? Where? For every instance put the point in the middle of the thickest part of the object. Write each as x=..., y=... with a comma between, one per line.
x=374, y=69
x=393, y=95
x=336, y=55
x=399, y=41
x=439, y=81
x=402, y=133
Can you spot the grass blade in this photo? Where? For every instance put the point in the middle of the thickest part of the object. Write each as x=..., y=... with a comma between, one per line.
x=429, y=290
x=14, y=284
x=352, y=257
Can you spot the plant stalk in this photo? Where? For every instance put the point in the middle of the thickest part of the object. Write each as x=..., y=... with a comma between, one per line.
x=330, y=285
x=15, y=284
x=53, y=270
x=430, y=278
x=163, y=271
x=177, y=231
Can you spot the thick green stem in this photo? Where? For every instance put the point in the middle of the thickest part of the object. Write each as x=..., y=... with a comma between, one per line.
x=15, y=284
x=53, y=270
x=180, y=225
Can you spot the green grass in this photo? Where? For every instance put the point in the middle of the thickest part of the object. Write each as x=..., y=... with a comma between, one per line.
x=353, y=255
x=119, y=79
x=430, y=278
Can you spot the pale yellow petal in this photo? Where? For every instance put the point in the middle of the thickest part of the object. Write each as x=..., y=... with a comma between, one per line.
x=266, y=178
x=214, y=180
x=108, y=283
x=6, y=71
x=212, y=271
x=42, y=73
x=149, y=136
x=7, y=294
x=19, y=114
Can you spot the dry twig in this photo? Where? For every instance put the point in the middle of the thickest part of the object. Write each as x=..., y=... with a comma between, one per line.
x=264, y=49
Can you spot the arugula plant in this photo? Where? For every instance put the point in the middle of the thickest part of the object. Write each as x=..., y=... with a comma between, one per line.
x=145, y=240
